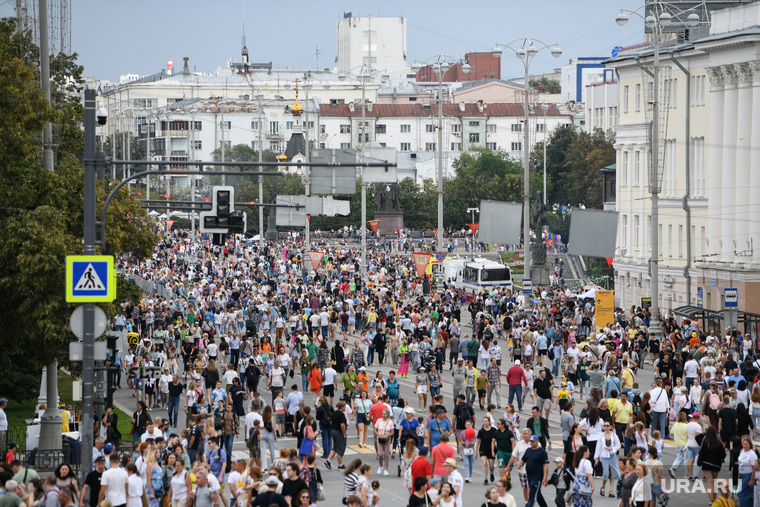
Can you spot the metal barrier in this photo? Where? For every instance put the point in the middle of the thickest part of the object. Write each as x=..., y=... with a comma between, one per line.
x=151, y=288
x=16, y=434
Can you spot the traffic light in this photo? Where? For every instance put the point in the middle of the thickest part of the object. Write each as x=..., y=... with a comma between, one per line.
x=223, y=219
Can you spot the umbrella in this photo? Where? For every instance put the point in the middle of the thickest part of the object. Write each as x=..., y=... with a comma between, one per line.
x=153, y=214
x=163, y=216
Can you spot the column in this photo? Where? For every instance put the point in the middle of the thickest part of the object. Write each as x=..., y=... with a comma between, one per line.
x=714, y=158
x=728, y=160
x=739, y=212
x=754, y=165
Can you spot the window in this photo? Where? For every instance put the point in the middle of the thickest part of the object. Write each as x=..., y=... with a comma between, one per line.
x=255, y=125
x=322, y=146
x=491, y=128
x=406, y=146
x=636, y=232
x=626, y=163
x=637, y=168
x=406, y=128
x=669, y=169
x=366, y=58
x=429, y=127
x=491, y=146
x=671, y=91
x=599, y=117
x=322, y=129
x=625, y=231
x=637, y=97
x=698, y=166
x=380, y=128
x=680, y=240
x=613, y=116
x=474, y=124
x=274, y=127
x=649, y=233
x=698, y=90
x=429, y=146
x=197, y=125
x=345, y=129
x=659, y=237
x=474, y=137
x=225, y=125
x=311, y=125
x=625, y=99
x=288, y=125
x=456, y=127
x=345, y=146
x=366, y=138
x=197, y=145
x=702, y=241
x=456, y=146
x=275, y=146
x=516, y=146
x=670, y=240
x=517, y=127
x=540, y=127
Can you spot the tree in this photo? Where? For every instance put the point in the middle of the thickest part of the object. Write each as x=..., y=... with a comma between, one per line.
x=544, y=84
x=41, y=217
x=240, y=153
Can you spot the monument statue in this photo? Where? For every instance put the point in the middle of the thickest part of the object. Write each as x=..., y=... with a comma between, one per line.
x=538, y=221
x=381, y=197
x=394, y=196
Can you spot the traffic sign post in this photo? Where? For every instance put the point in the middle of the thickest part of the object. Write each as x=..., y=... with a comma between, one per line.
x=527, y=286
x=90, y=279
x=731, y=298
x=440, y=256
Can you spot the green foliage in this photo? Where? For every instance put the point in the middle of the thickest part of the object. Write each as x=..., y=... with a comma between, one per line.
x=241, y=153
x=135, y=152
x=41, y=217
x=573, y=160
x=559, y=223
x=545, y=83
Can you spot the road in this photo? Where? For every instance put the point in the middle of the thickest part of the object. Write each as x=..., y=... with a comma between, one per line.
x=391, y=487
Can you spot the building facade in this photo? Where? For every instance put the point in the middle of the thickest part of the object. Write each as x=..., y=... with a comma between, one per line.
x=379, y=43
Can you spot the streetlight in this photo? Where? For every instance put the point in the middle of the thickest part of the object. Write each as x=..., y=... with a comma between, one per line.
x=526, y=52
x=364, y=77
x=440, y=65
x=656, y=21
x=260, y=99
x=545, y=108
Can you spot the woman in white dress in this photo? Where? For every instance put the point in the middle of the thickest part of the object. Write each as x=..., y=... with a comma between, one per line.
x=135, y=484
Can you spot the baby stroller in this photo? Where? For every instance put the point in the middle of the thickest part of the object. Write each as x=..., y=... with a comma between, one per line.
x=403, y=438
x=428, y=359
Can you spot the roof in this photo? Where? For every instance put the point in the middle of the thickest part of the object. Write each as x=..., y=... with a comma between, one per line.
x=472, y=84
x=296, y=145
x=609, y=169
x=419, y=111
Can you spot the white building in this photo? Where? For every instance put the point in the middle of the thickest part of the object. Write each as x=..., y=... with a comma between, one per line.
x=383, y=40
x=602, y=105
x=579, y=73
x=707, y=230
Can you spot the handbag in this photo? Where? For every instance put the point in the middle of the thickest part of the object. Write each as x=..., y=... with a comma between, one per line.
x=320, y=492
x=468, y=451
x=584, y=489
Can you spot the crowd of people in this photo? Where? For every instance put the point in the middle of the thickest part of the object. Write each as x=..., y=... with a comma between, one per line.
x=255, y=345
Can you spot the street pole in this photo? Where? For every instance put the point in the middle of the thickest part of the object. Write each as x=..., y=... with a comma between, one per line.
x=88, y=347
x=654, y=326
x=545, y=107
x=363, y=135
x=440, y=158
x=306, y=173
x=526, y=182
x=261, y=180
x=47, y=132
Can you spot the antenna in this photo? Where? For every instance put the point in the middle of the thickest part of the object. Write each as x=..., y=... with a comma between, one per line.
x=317, y=57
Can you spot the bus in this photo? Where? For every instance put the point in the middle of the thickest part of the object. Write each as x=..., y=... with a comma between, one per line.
x=472, y=276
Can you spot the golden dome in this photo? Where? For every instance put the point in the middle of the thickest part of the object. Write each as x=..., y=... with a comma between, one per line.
x=296, y=109
x=282, y=157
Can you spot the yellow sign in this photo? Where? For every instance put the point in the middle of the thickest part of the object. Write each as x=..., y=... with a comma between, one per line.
x=605, y=308
x=90, y=279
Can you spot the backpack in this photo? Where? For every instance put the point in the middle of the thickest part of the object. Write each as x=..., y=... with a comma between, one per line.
x=714, y=401
x=636, y=403
x=326, y=419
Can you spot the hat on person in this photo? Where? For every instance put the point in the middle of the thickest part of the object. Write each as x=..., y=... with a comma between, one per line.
x=409, y=410
x=559, y=459
x=732, y=390
x=272, y=481
x=362, y=369
x=440, y=411
x=423, y=451
x=460, y=360
x=517, y=362
x=108, y=448
x=450, y=462
x=534, y=438
x=3, y=400
x=421, y=368
x=695, y=415
x=100, y=458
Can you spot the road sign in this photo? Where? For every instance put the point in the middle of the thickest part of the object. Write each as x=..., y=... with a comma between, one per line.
x=731, y=298
x=527, y=286
x=136, y=372
x=616, y=50
x=440, y=256
x=77, y=322
x=76, y=352
x=90, y=279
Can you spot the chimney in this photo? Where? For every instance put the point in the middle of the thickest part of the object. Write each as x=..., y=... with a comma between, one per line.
x=169, y=66
x=186, y=68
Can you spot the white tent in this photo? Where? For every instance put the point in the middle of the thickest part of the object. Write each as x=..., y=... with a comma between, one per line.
x=588, y=294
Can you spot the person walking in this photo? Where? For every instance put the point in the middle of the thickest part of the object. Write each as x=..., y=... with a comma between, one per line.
x=384, y=429
x=516, y=379
x=535, y=461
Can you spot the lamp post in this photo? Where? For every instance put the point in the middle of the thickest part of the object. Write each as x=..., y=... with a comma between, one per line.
x=364, y=77
x=260, y=100
x=545, y=108
x=526, y=50
x=656, y=21
x=440, y=65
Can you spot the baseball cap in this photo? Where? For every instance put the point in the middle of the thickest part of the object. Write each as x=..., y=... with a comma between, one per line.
x=272, y=481
x=423, y=450
x=362, y=369
x=517, y=362
x=695, y=415
x=5, y=400
x=409, y=410
x=534, y=438
x=440, y=411
x=460, y=360
x=99, y=458
x=558, y=459
x=450, y=462
x=108, y=448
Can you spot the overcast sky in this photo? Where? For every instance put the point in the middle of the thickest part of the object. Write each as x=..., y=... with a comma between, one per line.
x=115, y=37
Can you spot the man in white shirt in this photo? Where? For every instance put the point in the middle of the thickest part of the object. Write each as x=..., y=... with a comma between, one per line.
x=113, y=484
x=328, y=384
x=693, y=428
x=690, y=371
x=455, y=479
x=253, y=415
x=659, y=403
x=153, y=431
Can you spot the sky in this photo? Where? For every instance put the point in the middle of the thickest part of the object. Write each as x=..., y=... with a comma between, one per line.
x=115, y=37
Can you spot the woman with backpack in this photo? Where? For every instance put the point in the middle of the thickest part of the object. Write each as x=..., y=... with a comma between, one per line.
x=711, y=402
x=324, y=418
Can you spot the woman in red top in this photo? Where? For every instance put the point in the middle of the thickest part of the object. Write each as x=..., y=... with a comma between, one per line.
x=315, y=381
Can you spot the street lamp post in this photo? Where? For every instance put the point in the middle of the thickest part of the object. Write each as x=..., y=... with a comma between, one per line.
x=260, y=99
x=545, y=108
x=526, y=52
x=440, y=65
x=657, y=21
x=364, y=78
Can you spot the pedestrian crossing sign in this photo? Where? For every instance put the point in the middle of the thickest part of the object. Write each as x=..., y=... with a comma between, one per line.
x=90, y=279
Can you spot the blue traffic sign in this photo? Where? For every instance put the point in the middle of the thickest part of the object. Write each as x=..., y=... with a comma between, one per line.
x=90, y=279
x=616, y=50
x=440, y=256
x=527, y=286
x=731, y=298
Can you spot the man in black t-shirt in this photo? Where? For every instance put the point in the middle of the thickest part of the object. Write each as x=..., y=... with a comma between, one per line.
x=176, y=388
x=293, y=484
x=92, y=482
x=196, y=438
x=728, y=420
x=543, y=390
x=339, y=426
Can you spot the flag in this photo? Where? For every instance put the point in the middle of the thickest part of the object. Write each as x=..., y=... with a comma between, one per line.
x=421, y=261
x=205, y=199
x=169, y=224
x=373, y=224
x=315, y=257
x=165, y=195
x=474, y=227
x=609, y=261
